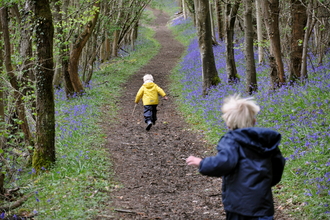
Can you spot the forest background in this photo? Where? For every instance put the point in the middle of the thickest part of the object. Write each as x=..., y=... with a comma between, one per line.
x=56, y=56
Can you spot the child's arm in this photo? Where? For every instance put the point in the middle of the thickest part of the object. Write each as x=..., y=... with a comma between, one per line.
x=161, y=91
x=139, y=95
x=222, y=163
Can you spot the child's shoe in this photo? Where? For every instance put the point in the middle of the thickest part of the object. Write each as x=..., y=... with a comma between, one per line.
x=149, y=125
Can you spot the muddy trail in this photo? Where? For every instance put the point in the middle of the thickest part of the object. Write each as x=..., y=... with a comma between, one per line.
x=150, y=165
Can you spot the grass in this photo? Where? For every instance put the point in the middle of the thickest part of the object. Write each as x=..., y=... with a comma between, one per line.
x=78, y=185
x=299, y=113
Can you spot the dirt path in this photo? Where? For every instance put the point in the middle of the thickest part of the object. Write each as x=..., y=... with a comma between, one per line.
x=151, y=165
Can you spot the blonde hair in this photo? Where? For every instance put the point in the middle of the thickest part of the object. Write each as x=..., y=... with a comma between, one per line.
x=239, y=112
x=148, y=77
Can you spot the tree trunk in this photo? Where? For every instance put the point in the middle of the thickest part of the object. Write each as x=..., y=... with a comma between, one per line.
x=209, y=71
x=271, y=15
x=231, y=12
x=116, y=34
x=134, y=35
x=2, y=117
x=69, y=89
x=44, y=154
x=219, y=16
x=214, y=40
x=310, y=24
x=93, y=51
x=115, y=41
x=26, y=48
x=20, y=108
x=273, y=73
x=77, y=49
x=184, y=9
x=63, y=72
x=251, y=78
x=58, y=74
x=105, y=49
x=259, y=31
x=299, y=19
x=322, y=29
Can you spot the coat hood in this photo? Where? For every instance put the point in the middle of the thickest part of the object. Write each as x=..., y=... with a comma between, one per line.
x=149, y=85
x=263, y=141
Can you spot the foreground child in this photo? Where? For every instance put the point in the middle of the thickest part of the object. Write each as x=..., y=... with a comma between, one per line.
x=149, y=92
x=248, y=160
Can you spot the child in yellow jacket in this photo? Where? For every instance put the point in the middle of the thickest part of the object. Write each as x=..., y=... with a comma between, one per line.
x=149, y=92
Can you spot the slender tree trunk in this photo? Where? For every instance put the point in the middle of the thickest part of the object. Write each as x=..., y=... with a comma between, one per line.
x=299, y=19
x=2, y=116
x=106, y=49
x=20, y=108
x=231, y=12
x=77, y=49
x=115, y=41
x=91, y=59
x=184, y=9
x=26, y=48
x=134, y=35
x=209, y=71
x=322, y=29
x=62, y=74
x=58, y=74
x=219, y=13
x=271, y=15
x=68, y=86
x=44, y=154
x=116, y=33
x=214, y=40
x=309, y=27
x=251, y=77
x=273, y=73
x=261, y=53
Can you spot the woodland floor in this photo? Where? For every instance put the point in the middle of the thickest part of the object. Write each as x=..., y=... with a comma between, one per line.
x=150, y=165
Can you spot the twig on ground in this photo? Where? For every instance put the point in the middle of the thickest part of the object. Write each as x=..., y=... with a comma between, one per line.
x=131, y=144
x=105, y=216
x=127, y=211
x=16, y=204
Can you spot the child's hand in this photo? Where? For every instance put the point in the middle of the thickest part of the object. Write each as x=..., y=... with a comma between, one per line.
x=193, y=161
x=165, y=97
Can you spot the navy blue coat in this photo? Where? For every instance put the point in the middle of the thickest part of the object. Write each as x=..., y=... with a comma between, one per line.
x=250, y=163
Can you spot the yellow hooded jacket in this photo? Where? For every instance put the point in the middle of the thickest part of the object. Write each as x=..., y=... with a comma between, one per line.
x=149, y=94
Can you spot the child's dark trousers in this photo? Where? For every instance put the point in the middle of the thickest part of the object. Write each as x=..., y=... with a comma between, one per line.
x=234, y=216
x=150, y=113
